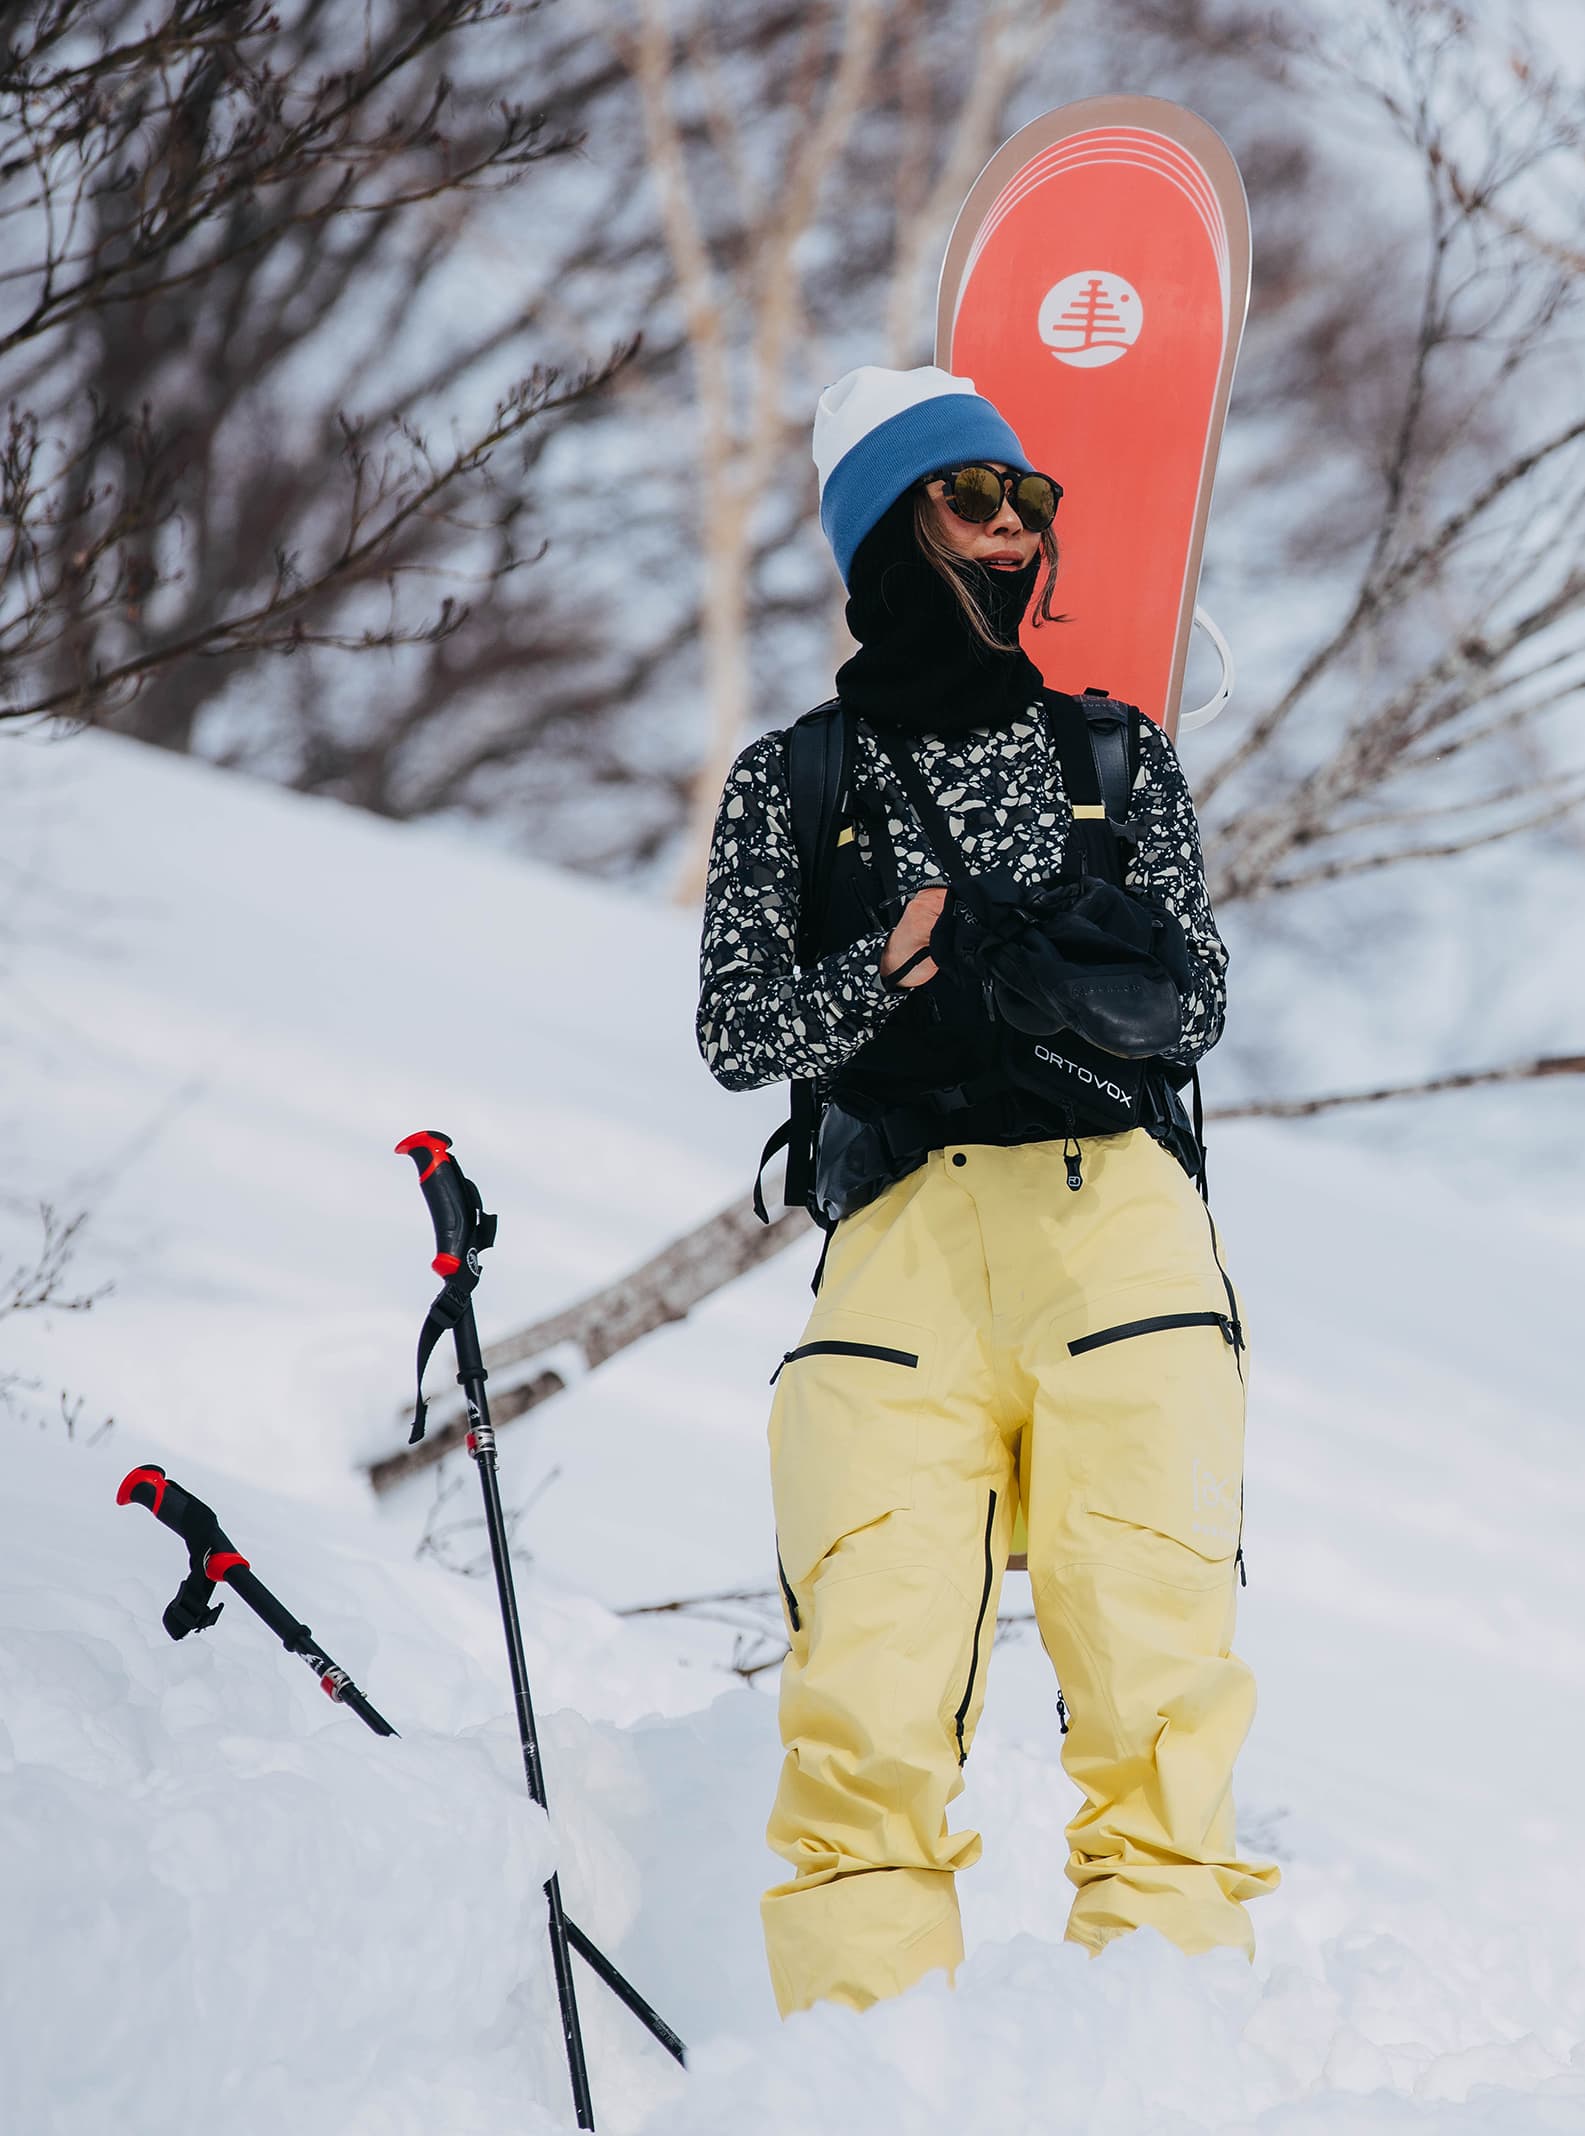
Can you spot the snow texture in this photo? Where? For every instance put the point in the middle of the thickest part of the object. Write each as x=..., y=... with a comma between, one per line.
x=224, y=1903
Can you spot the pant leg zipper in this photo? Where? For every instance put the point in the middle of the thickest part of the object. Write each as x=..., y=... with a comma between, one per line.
x=1227, y=1285
x=979, y=1624
x=786, y=1588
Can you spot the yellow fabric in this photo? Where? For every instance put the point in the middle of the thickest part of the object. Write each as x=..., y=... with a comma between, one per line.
x=896, y=1484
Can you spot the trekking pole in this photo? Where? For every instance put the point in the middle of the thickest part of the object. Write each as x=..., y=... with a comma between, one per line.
x=462, y=1232
x=213, y=1561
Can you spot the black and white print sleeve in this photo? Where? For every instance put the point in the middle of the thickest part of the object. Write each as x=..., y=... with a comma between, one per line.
x=1167, y=866
x=761, y=1020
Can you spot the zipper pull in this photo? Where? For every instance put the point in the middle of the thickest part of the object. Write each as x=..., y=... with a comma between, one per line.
x=1072, y=1157
x=1238, y=1560
x=786, y=1360
x=1062, y=1711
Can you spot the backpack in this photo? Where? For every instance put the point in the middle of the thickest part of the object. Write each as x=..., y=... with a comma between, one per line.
x=819, y=749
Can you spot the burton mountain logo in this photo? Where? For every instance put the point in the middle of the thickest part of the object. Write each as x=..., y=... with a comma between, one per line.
x=1091, y=318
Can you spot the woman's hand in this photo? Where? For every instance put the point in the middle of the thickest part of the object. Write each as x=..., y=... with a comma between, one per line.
x=911, y=934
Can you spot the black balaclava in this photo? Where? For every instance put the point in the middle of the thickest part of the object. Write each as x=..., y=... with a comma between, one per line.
x=920, y=668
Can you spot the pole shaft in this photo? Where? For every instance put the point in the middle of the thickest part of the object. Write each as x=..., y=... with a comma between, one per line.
x=626, y=1993
x=298, y=1639
x=481, y=1444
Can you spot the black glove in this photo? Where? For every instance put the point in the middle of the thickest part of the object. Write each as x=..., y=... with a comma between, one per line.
x=1083, y=957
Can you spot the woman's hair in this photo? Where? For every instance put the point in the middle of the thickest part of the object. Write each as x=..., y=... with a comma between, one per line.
x=942, y=557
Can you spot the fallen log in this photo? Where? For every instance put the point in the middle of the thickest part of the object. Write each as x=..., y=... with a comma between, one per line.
x=668, y=1285
x=663, y=1289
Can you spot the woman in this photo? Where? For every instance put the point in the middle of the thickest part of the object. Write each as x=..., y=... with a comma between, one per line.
x=1023, y=1304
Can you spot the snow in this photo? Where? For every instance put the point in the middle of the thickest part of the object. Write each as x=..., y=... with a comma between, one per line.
x=222, y=1897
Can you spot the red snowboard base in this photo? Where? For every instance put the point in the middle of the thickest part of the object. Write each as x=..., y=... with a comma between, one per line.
x=1094, y=289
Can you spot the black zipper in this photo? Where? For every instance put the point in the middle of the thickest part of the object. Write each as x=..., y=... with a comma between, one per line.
x=1238, y=1347
x=974, y=1658
x=1232, y=1302
x=847, y=1349
x=1231, y=1332
x=786, y=1588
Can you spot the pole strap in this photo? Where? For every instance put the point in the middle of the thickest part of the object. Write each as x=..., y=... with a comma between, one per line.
x=443, y=1318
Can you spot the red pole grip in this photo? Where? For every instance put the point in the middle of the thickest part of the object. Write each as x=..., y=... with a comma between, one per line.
x=443, y=1190
x=144, y=1487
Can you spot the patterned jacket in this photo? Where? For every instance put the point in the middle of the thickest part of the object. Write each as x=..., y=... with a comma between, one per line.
x=762, y=1020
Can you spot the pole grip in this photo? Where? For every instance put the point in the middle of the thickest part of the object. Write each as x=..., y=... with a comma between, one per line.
x=212, y=1557
x=213, y=1560
x=177, y=1510
x=445, y=1190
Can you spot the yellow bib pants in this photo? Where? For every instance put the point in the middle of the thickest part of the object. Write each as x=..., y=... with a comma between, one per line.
x=986, y=1337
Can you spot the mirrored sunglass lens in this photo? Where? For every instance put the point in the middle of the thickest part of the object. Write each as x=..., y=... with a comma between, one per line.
x=977, y=492
x=1035, y=501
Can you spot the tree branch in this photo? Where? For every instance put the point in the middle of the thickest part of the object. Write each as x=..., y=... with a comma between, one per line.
x=1467, y=1079
x=663, y=1289
x=275, y=623
x=1368, y=863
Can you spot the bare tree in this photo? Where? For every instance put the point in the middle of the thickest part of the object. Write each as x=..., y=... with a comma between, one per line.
x=35, y=1278
x=1413, y=408
x=741, y=275
x=242, y=230
x=1418, y=727
x=220, y=220
x=741, y=426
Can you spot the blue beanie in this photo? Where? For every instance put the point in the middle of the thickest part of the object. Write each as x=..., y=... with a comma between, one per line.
x=877, y=431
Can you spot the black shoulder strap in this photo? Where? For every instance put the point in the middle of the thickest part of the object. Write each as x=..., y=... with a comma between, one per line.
x=1092, y=744
x=819, y=765
x=939, y=841
x=1093, y=739
x=1114, y=739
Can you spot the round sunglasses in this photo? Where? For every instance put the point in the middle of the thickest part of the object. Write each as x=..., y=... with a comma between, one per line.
x=976, y=492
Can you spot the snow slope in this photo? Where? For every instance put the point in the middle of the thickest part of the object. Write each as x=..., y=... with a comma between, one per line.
x=219, y=1894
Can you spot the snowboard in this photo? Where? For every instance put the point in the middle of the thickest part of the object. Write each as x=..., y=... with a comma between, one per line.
x=1095, y=288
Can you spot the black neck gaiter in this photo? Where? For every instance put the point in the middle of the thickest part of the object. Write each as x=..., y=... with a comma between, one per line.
x=920, y=668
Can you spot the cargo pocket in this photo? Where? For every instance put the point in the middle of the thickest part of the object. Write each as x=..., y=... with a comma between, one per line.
x=1157, y=1402
x=844, y=1434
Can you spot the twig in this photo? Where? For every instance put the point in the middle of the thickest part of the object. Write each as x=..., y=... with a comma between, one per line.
x=761, y=1643
x=1365, y=863
x=1464, y=1079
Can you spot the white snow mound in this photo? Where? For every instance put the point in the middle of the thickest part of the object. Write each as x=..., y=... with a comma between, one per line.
x=225, y=1903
